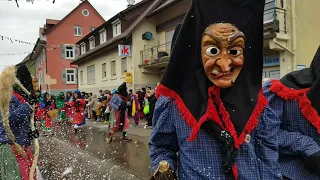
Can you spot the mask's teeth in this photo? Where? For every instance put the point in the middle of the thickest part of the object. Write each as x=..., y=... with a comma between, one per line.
x=215, y=72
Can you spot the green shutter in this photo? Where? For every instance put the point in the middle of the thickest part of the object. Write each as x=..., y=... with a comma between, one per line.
x=64, y=76
x=76, y=51
x=76, y=76
x=63, y=52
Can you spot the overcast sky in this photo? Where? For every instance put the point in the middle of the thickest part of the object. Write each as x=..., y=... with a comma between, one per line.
x=23, y=23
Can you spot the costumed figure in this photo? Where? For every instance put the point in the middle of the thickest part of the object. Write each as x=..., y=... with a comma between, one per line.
x=135, y=108
x=17, y=98
x=118, y=117
x=77, y=106
x=60, y=106
x=296, y=100
x=211, y=111
x=46, y=120
x=152, y=103
x=141, y=102
x=67, y=105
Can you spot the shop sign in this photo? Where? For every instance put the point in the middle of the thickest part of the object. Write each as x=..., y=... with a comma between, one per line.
x=128, y=77
x=273, y=60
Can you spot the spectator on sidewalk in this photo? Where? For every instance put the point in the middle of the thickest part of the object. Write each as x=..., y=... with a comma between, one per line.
x=100, y=93
x=130, y=103
x=93, y=106
x=152, y=104
x=141, y=102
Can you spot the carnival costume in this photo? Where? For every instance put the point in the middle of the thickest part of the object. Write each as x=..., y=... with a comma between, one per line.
x=16, y=109
x=77, y=106
x=118, y=116
x=61, y=107
x=296, y=100
x=135, y=108
x=211, y=109
x=45, y=107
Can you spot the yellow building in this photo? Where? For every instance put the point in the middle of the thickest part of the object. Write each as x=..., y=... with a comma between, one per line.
x=290, y=41
x=290, y=35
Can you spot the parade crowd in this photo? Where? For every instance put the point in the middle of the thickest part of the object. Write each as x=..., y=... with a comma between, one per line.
x=111, y=107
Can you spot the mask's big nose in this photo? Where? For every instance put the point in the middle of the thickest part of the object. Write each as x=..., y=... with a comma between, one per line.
x=224, y=62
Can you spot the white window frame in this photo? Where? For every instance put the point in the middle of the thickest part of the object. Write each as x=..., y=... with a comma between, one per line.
x=103, y=36
x=116, y=27
x=124, y=67
x=78, y=33
x=66, y=50
x=94, y=75
x=83, y=47
x=113, y=71
x=92, y=42
x=81, y=77
x=104, y=71
x=71, y=74
x=87, y=11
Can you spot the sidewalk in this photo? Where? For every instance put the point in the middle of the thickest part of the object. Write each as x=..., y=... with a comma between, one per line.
x=139, y=130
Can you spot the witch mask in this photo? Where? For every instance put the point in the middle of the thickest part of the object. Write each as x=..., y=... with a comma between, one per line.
x=222, y=49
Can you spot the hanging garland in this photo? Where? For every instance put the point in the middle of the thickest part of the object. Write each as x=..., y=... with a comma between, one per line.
x=31, y=2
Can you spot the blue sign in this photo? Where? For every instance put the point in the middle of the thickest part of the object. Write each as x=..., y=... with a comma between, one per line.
x=269, y=61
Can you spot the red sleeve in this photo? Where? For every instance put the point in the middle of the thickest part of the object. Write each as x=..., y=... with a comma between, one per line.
x=72, y=103
x=82, y=101
x=23, y=101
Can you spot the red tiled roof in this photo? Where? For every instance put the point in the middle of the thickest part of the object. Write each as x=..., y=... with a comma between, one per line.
x=52, y=21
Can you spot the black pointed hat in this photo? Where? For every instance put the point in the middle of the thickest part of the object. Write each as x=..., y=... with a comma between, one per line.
x=314, y=95
x=122, y=90
x=303, y=78
x=24, y=76
x=185, y=75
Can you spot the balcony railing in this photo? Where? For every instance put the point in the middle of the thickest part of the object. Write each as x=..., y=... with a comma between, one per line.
x=156, y=55
x=274, y=19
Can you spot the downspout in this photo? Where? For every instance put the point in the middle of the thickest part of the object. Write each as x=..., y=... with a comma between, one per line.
x=294, y=34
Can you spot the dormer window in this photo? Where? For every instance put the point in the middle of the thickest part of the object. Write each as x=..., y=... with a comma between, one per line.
x=83, y=48
x=116, y=26
x=92, y=42
x=103, y=36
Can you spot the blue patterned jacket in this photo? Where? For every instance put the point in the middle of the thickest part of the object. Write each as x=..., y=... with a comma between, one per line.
x=201, y=159
x=19, y=118
x=289, y=112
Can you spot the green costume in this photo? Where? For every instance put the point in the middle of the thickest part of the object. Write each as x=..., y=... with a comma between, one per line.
x=60, y=104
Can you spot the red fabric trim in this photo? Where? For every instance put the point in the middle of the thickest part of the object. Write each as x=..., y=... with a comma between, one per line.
x=211, y=112
x=235, y=171
x=184, y=111
x=252, y=122
x=309, y=112
x=19, y=97
x=286, y=93
x=123, y=98
x=305, y=105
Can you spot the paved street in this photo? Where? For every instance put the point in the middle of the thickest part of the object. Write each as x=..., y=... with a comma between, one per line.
x=86, y=155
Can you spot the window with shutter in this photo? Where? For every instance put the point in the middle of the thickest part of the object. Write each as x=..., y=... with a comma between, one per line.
x=69, y=76
x=70, y=51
